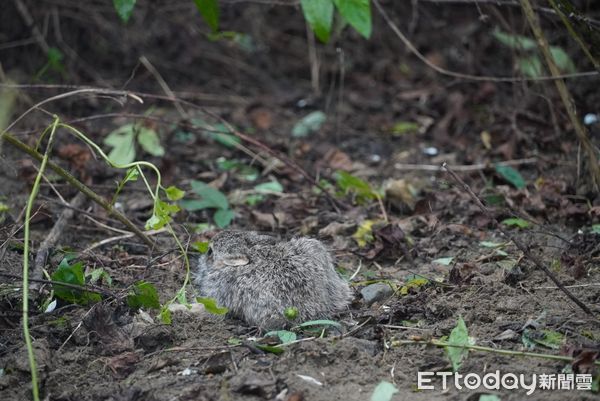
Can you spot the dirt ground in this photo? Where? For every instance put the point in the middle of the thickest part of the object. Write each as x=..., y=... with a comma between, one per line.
x=260, y=82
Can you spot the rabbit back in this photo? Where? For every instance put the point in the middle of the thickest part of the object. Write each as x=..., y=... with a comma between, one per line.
x=298, y=273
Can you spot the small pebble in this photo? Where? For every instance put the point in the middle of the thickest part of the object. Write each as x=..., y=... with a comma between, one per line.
x=376, y=292
x=431, y=151
x=590, y=119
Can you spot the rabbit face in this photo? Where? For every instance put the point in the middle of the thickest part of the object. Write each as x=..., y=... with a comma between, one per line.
x=229, y=248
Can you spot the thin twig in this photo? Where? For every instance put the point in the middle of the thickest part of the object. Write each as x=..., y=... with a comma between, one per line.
x=313, y=59
x=568, y=286
x=165, y=87
x=517, y=242
x=98, y=91
x=80, y=186
x=508, y=352
x=53, y=237
x=287, y=161
x=28, y=19
x=564, y=94
x=574, y=34
x=82, y=288
x=116, y=238
x=460, y=75
x=392, y=326
x=467, y=167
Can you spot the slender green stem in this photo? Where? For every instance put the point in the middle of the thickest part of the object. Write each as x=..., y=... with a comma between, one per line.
x=80, y=186
x=154, y=193
x=34, y=191
x=439, y=343
x=187, y=266
x=98, y=150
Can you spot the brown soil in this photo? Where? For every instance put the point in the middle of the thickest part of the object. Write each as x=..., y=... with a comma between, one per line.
x=262, y=86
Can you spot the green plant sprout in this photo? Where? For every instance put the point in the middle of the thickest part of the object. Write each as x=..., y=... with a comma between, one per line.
x=36, y=186
x=144, y=294
x=318, y=14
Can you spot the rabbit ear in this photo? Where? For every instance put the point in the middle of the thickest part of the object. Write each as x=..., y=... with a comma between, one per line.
x=240, y=260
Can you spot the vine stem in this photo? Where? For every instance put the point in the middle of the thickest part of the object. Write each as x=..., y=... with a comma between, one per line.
x=439, y=343
x=32, y=196
x=80, y=186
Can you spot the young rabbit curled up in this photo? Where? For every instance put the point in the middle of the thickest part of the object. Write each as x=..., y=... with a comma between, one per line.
x=257, y=277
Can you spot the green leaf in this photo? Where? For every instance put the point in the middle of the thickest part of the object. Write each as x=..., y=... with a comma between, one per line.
x=271, y=186
x=319, y=14
x=516, y=42
x=211, y=306
x=55, y=58
x=155, y=223
x=323, y=322
x=222, y=136
x=357, y=13
x=364, y=233
x=284, y=336
x=511, y=175
x=143, y=295
x=99, y=273
x=254, y=199
x=212, y=198
x=149, y=141
x=234, y=341
x=530, y=66
x=458, y=336
x=72, y=274
x=201, y=246
x=349, y=183
x=595, y=229
x=309, y=124
x=4, y=208
x=227, y=140
x=209, y=9
x=174, y=193
x=165, y=315
x=444, y=261
x=551, y=339
x=494, y=199
x=516, y=222
x=243, y=171
x=192, y=205
x=223, y=217
x=124, y=8
x=414, y=282
x=563, y=60
x=384, y=391
x=490, y=244
x=270, y=349
x=161, y=215
x=405, y=127
x=489, y=397
x=132, y=175
x=122, y=140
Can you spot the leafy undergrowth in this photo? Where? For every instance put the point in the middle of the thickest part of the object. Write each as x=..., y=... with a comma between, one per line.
x=438, y=287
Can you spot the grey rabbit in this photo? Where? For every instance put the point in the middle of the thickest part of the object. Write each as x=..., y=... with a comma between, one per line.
x=257, y=277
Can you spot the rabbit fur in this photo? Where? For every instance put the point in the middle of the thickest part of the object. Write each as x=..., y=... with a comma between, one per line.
x=257, y=277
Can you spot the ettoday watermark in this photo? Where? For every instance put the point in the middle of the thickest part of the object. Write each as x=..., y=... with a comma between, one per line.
x=507, y=381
